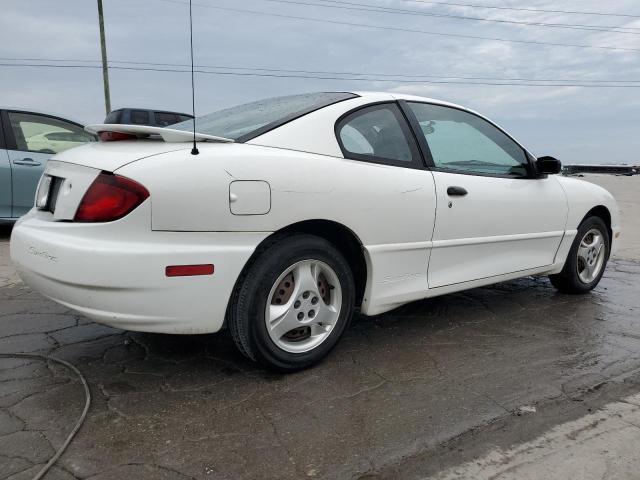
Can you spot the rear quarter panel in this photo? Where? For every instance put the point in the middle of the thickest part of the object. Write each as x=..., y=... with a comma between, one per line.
x=381, y=204
x=391, y=210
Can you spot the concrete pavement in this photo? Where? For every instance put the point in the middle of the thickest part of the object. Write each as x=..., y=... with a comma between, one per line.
x=600, y=445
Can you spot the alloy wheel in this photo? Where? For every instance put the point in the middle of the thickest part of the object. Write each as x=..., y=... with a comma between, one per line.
x=303, y=306
x=591, y=256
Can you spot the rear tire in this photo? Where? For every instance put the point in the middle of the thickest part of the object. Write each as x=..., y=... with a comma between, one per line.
x=587, y=258
x=293, y=303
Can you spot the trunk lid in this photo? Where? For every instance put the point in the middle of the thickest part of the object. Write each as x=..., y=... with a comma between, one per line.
x=69, y=174
x=110, y=156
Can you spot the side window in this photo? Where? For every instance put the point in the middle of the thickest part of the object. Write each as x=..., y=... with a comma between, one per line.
x=462, y=142
x=378, y=133
x=38, y=133
x=163, y=119
x=139, y=117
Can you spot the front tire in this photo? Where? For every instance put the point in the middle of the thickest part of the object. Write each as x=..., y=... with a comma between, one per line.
x=293, y=303
x=587, y=258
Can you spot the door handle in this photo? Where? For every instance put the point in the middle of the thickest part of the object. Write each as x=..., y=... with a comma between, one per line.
x=29, y=162
x=456, y=191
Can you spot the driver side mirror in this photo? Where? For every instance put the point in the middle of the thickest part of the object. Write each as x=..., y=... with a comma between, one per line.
x=548, y=165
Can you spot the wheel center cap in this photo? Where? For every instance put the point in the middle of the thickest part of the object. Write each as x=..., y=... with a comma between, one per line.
x=307, y=305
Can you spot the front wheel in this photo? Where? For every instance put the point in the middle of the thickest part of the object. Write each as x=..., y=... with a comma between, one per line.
x=587, y=258
x=293, y=303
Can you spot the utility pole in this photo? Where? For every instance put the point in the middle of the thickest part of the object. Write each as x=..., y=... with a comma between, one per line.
x=105, y=68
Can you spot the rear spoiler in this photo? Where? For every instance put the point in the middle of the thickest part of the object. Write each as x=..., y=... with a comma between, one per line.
x=169, y=135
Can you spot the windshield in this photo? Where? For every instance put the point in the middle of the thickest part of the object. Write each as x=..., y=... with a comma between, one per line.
x=244, y=122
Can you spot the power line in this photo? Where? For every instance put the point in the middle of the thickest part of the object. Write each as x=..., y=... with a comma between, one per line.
x=399, y=11
x=327, y=77
x=325, y=72
x=526, y=9
x=409, y=30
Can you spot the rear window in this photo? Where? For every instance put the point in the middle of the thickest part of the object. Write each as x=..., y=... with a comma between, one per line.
x=139, y=117
x=247, y=121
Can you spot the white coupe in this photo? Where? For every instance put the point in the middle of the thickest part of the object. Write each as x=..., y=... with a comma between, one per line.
x=294, y=211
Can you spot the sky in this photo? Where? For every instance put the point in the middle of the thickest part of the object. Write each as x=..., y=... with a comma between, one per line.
x=575, y=124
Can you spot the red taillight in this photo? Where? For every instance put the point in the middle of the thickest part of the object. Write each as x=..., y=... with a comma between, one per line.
x=109, y=198
x=115, y=136
x=189, y=270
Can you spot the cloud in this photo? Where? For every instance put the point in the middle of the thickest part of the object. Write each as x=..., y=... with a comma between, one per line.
x=156, y=31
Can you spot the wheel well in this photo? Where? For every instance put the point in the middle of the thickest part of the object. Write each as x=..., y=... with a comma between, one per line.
x=602, y=212
x=342, y=238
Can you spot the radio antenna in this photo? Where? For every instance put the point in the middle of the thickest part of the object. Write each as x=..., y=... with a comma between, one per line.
x=194, y=150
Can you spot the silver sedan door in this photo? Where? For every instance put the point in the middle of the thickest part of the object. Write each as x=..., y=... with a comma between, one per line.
x=31, y=140
x=5, y=179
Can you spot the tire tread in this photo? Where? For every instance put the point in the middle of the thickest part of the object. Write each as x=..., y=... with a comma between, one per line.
x=239, y=330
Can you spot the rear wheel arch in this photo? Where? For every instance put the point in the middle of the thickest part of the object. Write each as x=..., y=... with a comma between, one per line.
x=340, y=236
x=345, y=240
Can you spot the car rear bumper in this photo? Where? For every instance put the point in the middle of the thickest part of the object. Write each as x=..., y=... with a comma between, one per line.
x=115, y=274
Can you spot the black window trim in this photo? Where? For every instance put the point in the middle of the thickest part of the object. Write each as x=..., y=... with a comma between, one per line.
x=3, y=143
x=173, y=113
x=423, y=144
x=418, y=162
x=10, y=141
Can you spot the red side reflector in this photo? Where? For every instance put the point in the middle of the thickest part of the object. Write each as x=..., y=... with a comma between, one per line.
x=189, y=270
x=115, y=136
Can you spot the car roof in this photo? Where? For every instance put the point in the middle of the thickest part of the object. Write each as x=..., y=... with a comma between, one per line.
x=378, y=96
x=293, y=135
x=404, y=96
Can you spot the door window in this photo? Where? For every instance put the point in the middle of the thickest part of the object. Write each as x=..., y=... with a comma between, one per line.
x=139, y=117
x=379, y=134
x=42, y=134
x=462, y=142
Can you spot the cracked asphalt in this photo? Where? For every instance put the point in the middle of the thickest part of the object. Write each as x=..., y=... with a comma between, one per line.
x=406, y=394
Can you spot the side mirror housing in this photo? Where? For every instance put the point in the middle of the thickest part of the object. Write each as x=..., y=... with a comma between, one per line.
x=548, y=165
